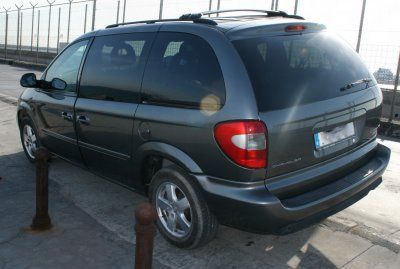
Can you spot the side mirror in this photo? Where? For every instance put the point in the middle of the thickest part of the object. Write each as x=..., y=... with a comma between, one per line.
x=28, y=80
x=58, y=84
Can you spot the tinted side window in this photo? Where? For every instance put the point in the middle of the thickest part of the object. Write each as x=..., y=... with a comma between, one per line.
x=183, y=70
x=114, y=67
x=66, y=67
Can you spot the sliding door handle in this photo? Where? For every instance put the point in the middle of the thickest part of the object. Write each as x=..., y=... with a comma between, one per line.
x=83, y=120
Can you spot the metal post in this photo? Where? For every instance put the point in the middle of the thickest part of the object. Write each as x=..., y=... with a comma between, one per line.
x=123, y=11
x=218, y=6
x=33, y=22
x=161, y=10
x=48, y=28
x=209, y=7
x=42, y=221
x=20, y=38
x=6, y=36
x=396, y=84
x=272, y=4
x=296, y=4
x=276, y=4
x=58, y=30
x=145, y=215
x=69, y=18
x=37, y=37
x=94, y=14
x=84, y=23
x=19, y=12
x=118, y=3
x=361, y=26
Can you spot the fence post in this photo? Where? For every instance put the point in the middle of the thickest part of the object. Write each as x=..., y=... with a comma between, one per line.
x=58, y=29
x=37, y=37
x=145, y=215
x=118, y=3
x=123, y=12
x=396, y=84
x=276, y=4
x=361, y=25
x=296, y=4
x=209, y=7
x=218, y=6
x=33, y=22
x=42, y=221
x=84, y=23
x=20, y=38
x=94, y=14
x=6, y=36
x=161, y=10
x=48, y=28
x=272, y=4
x=19, y=12
x=69, y=18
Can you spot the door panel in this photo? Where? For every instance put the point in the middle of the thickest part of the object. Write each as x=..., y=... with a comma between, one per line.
x=55, y=108
x=105, y=136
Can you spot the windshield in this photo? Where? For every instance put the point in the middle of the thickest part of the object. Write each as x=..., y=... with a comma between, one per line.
x=290, y=70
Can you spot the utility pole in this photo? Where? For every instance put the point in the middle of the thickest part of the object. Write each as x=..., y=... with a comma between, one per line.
x=18, y=23
x=94, y=14
x=123, y=12
x=361, y=26
x=272, y=4
x=69, y=18
x=296, y=4
x=161, y=10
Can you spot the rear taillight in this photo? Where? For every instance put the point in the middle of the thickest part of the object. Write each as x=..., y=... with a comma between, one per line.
x=245, y=142
x=295, y=28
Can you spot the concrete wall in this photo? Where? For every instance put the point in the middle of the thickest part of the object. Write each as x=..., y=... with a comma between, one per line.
x=28, y=56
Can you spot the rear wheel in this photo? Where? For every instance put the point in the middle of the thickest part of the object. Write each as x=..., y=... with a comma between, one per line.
x=29, y=138
x=183, y=216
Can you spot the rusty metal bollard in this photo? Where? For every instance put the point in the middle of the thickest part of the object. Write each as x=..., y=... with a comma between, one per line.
x=145, y=228
x=42, y=221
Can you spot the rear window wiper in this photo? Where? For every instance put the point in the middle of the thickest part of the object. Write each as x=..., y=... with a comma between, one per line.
x=356, y=83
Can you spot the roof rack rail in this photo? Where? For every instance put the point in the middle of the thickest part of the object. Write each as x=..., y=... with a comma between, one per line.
x=195, y=20
x=267, y=13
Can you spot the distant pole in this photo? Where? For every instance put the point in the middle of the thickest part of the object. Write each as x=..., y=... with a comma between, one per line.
x=118, y=3
x=296, y=4
x=161, y=10
x=272, y=4
x=48, y=29
x=396, y=84
x=84, y=23
x=37, y=37
x=123, y=12
x=276, y=4
x=69, y=19
x=361, y=26
x=6, y=35
x=218, y=6
x=20, y=38
x=94, y=14
x=58, y=29
x=33, y=22
x=19, y=12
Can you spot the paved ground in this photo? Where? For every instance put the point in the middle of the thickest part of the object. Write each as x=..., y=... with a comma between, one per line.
x=94, y=222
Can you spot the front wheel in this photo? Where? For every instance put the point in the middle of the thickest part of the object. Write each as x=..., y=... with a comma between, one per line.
x=29, y=138
x=184, y=218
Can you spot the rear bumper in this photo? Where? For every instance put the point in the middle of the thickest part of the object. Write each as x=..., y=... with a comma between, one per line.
x=253, y=207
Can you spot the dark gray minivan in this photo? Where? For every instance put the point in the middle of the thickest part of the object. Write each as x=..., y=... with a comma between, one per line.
x=266, y=122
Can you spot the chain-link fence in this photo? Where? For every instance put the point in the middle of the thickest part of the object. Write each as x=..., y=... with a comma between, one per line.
x=36, y=31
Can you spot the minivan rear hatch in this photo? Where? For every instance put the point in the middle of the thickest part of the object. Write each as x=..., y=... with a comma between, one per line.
x=315, y=95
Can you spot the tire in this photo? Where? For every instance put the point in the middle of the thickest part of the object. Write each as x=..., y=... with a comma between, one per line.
x=27, y=124
x=203, y=225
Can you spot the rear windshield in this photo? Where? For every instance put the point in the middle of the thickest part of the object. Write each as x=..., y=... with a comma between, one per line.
x=290, y=70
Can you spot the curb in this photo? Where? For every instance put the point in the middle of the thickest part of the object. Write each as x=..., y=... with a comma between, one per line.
x=375, y=237
x=36, y=66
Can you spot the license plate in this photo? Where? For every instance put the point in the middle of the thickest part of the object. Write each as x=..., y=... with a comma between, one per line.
x=328, y=138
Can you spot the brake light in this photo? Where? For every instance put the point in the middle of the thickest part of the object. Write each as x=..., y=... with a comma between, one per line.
x=244, y=142
x=295, y=28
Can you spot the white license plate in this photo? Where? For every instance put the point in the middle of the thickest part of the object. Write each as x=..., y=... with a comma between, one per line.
x=324, y=139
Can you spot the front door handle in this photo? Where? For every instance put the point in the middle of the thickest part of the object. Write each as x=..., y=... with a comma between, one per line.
x=66, y=116
x=83, y=120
